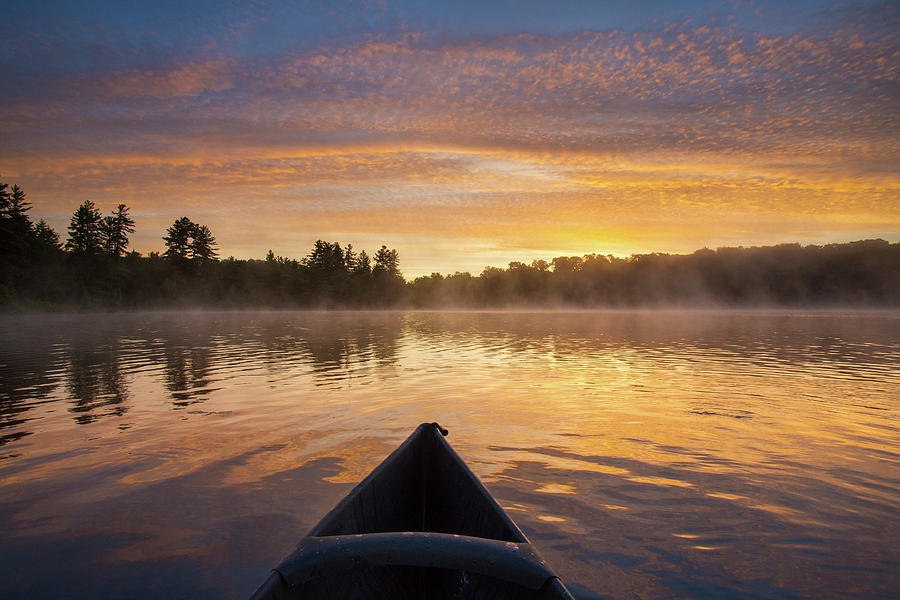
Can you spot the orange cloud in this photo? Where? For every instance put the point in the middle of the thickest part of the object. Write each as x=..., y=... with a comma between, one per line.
x=596, y=141
x=185, y=80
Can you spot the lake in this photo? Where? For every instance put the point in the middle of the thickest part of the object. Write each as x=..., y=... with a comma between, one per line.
x=657, y=454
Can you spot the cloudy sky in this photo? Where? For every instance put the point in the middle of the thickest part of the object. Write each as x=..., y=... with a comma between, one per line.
x=464, y=134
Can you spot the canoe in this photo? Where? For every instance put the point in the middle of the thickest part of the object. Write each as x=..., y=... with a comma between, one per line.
x=421, y=525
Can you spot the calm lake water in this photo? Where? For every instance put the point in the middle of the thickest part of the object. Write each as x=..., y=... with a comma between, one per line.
x=646, y=454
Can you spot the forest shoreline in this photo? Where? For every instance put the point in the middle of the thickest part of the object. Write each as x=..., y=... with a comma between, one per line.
x=95, y=271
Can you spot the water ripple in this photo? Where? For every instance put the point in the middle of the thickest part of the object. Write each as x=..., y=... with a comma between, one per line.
x=650, y=453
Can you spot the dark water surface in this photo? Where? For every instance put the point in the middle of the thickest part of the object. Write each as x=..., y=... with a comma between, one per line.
x=646, y=454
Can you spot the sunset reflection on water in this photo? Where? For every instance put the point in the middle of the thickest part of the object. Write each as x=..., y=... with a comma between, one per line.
x=650, y=454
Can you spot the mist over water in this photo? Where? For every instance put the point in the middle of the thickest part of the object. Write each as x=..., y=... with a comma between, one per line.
x=652, y=454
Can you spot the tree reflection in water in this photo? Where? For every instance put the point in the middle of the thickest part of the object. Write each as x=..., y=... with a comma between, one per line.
x=96, y=383
x=187, y=371
x=342, y=348
x=27, y=358
x=332, y=348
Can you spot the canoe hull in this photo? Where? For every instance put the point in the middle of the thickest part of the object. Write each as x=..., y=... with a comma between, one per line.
x=420, y=525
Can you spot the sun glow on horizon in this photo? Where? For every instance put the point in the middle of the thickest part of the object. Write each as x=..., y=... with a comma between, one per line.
x=464, y=151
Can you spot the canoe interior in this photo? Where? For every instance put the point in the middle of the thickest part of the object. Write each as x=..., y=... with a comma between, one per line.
x=422, y=486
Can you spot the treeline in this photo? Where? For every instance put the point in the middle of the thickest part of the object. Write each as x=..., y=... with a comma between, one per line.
x=93, y=269
x=863, y=273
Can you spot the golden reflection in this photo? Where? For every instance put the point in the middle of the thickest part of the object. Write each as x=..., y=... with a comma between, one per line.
x=550, y=519
x=585, y=427
x=661, y=481
x=555, y=488
x=566, y=463
x=725, y=496
x=515, y=507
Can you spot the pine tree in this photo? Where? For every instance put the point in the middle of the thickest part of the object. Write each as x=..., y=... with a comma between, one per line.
x=187, y=240
x=116, y=228
x=18, y=206
x=386, y=262
x=15, y=226
x=45, y=237
x=363, y=265
x=325, y=258
x=203, y=244
x=178, y=239
x=349, y=257
x=85, y=230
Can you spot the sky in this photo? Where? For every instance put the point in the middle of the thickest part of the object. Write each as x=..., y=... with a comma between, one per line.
x=463, y=134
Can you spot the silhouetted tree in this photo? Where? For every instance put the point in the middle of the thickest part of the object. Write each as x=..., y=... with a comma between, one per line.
x=116, y=228
x=386, y=262
x=326, y=258
x=85, y=230
x=107, y=226
x=388, y=285
x=186, y=240
x=178, y=240
x=15, y=226
x=203, y=244
x=18, y=206
x=528, y=284
x=363, y=265
x=566, y=264
x=45, y=237
x=349, y=258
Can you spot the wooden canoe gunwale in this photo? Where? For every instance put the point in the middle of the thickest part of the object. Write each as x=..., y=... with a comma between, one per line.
x=422, y=507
